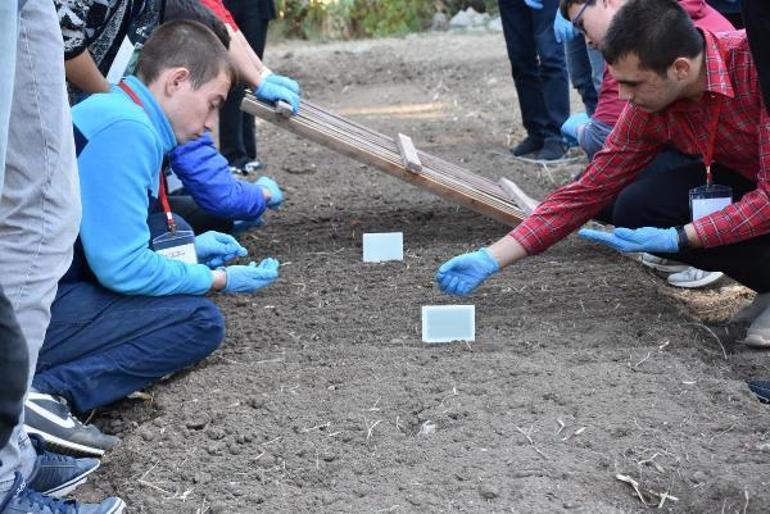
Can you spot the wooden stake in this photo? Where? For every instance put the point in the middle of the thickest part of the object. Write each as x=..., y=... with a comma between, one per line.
x=524, y=201
x=409, y=153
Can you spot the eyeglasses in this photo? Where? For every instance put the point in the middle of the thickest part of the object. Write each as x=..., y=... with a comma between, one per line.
x=577, y=20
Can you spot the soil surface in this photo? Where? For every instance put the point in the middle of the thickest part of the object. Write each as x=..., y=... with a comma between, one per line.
x=586, y=366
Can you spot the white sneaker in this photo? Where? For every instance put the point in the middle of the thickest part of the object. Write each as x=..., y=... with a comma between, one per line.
x=664, y=265
x=758, y=334
x=693, y=278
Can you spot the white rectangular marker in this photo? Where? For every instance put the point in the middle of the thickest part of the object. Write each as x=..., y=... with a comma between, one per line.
x=447, y=323
x=388, y=246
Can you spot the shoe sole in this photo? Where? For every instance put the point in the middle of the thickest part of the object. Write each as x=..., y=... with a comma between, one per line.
x=65, y=447
x=67, y=487
x=707, y=280
x=663, y=268
x=756, y=341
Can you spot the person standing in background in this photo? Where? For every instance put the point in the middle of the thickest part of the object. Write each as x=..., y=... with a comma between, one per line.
x=237, y=138
x=539, y=73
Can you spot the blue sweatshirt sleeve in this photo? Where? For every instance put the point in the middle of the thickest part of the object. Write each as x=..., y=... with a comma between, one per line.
x=119, y=169
x=206, y=176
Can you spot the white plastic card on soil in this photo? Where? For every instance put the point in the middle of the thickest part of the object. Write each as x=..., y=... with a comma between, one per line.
x=447, y=323
x=385, y=246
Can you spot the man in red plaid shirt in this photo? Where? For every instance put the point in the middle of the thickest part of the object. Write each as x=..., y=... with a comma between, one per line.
x=688, y=89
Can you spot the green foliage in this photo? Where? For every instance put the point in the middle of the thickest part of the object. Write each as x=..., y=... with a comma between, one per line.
x=343, y=19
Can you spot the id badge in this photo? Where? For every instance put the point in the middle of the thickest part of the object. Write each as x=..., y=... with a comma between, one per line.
x=705, y=200
x=178, y=246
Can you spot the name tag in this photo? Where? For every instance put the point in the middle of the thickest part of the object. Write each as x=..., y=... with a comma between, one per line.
x=178, y=246
x=706, y=200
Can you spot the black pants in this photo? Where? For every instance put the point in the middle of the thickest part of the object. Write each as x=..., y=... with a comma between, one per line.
x=200, y=220
x=660, y=198
x=756, y=13
x=14, y=364
x=236, y=128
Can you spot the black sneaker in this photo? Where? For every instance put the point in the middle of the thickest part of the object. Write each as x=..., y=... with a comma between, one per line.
x=24, y=500
x=528, y=146
x=761, y=388
x=552, y=150
x=50, y=418
x=57, y=475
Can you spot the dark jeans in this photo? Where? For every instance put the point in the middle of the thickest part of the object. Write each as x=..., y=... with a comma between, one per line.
x=14, y=364
x=586, y=68
x=237, y=139
x=660, y=198
x=537, y=65
x=101, y=345
x=199, y=220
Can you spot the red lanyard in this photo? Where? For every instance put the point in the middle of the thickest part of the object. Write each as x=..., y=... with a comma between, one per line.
x=708, y=150
x=716, y=110
x=162, y=196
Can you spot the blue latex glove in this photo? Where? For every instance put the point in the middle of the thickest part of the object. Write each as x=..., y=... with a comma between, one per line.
x=286, y=82
x=215, y=248
x=276, y=196
x=645, y=239
x=563, y=29
x=569, y=129
x=247, y=279
x=534, y=4
x=241, y=226
x=272, y=91
x=462, y=274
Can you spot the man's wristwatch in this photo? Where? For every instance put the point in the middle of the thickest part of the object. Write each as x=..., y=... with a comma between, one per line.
x=684, y=241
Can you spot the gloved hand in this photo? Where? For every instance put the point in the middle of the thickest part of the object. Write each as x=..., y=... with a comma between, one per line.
x=241, y=226
x=534, y=4
x=286, y=82
x=273, y=90
x=563, y=29
x=276, y=196
x=462, y=274
x=247, y=279
x=645, y=239
x=569, y=129
x=215, y=248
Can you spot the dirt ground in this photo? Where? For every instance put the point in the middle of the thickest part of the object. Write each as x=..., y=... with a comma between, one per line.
x=323, y=398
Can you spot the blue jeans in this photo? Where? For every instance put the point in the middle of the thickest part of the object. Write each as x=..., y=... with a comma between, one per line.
x=586, y=69
x=102, y=346
x=538, y=67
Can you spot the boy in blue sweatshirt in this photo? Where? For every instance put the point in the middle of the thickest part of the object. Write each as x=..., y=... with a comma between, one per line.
x=126, y=315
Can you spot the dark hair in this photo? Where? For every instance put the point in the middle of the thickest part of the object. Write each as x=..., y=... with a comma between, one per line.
x=193, y=10
x=186, y=44
x=564, y=6
x=658, y=32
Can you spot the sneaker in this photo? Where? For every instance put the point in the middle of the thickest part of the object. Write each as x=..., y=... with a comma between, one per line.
x=57, y=475
x=761, y=388
x=758, y=334
x=25, y=500
x=253, y=167
x=50, y=418
x=663, y=265
x=528, y=146
x=751, y=311
x=693, y=278
x=553, y=150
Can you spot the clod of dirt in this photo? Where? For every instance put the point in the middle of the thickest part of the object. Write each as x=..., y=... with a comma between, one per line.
x=197, y=423
x=488, y=491
x=427, y=428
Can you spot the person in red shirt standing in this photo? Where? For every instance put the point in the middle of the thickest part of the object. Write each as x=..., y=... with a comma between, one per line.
x=688, y=89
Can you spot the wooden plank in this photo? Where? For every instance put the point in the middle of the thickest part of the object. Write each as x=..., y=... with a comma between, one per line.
x=409, y=153
x=284, y=109
x=495, y=208
x=524, y=201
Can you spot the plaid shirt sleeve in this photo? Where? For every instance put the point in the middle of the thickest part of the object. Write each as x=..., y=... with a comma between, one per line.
x=749, y=217
x=632, y=144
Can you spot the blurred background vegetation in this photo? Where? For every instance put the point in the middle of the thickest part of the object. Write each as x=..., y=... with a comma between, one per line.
x=348, y=19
